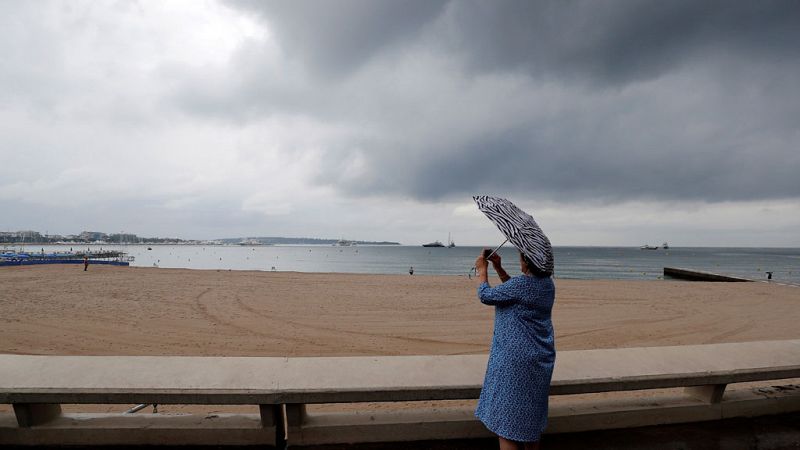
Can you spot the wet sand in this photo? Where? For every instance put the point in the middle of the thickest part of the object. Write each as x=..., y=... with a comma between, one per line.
x=61, y=310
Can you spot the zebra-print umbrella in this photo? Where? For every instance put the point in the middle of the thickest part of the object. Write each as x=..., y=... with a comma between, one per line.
x=520, y=228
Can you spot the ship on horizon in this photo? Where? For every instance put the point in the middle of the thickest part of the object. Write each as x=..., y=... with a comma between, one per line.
x=665, y=246
x=450, y=243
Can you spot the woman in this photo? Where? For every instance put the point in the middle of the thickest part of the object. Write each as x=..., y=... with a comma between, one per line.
x=513, y=401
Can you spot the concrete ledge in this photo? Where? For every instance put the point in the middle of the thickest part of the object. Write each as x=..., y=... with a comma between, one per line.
x=237, y=380
x=767, y=400
x=775, y=432
x=615, y=413
x=281, y=387
x=140, y=429
x=388, y=426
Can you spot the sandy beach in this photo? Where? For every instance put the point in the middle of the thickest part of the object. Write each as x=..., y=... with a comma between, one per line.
x=62, y=310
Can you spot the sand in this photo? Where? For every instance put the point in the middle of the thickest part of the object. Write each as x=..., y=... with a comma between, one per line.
x=62, y=310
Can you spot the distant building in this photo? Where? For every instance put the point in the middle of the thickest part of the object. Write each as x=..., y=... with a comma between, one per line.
x=21, y=236
x=124, y=238
x=91, y=236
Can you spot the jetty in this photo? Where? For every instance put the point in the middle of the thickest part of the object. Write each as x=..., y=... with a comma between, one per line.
x=107, y=257
x=697, y=275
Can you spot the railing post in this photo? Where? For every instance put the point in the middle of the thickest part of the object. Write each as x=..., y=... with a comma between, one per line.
x=269, y=415
x=711, y=393
x=275, y=416
x=32, y=414
x=295, y=414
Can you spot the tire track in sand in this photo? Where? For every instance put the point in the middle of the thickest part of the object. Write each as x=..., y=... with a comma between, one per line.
x=321, y=328
x=214, y=318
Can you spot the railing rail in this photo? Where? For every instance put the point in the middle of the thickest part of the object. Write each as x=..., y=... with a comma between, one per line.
x=281, y=387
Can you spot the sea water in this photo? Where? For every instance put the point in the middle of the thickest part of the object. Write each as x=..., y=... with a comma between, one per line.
x=588, y=263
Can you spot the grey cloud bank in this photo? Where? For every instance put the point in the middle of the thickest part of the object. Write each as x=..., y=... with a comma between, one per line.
x=572, y=100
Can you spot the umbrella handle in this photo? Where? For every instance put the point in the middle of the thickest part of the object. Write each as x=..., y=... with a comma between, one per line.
x=490, y=254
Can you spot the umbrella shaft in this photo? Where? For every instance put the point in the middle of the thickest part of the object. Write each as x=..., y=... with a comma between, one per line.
x=490, y=254
x=498, y=248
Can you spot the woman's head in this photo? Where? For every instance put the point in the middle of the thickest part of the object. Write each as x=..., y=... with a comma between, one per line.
x=529, y=268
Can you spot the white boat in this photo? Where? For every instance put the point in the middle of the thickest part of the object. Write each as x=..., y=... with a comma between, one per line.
x=648, y=247
x=665, y=246
x=251, y=243
x=344, y=243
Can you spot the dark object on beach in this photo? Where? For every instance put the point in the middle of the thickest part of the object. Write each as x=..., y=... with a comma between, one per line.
x=411, y=270
x=696, y=275
x=769, y=275
x=85, y=262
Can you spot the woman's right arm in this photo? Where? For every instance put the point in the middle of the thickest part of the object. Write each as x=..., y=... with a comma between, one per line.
x=500, y=295
x=498, y=267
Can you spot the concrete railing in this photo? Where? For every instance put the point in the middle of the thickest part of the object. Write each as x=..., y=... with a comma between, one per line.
x=280, y=388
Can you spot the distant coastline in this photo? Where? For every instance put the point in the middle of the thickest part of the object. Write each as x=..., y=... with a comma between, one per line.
x=300, y=241
x=30, y=237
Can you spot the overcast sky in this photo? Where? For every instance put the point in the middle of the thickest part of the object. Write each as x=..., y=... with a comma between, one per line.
x=612, y=122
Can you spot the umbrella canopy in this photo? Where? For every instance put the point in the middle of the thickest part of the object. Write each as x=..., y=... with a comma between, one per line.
x=520, y=228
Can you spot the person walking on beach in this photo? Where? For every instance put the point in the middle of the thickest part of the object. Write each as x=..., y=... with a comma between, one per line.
x=85, y=262
x=411, y=270
x=513, y=401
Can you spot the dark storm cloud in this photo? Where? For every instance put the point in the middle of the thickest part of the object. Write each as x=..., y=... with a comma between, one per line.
x=614, y=100
x=335, y=37
x=618, y=41
x=610, y=41
x=575, y=165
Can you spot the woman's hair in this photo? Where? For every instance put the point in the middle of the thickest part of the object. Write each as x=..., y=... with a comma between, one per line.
x=533, y=269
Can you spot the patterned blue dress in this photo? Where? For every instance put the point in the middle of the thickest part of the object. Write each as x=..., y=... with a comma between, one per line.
x=513, y=401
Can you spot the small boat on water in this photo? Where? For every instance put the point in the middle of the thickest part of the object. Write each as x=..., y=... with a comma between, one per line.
x=665, y=246
x=648, y=247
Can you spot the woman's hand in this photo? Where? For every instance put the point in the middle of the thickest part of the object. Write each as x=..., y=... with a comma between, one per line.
x=482, y=268
x=481, y=263
x=498, y=267
x=495, y=259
